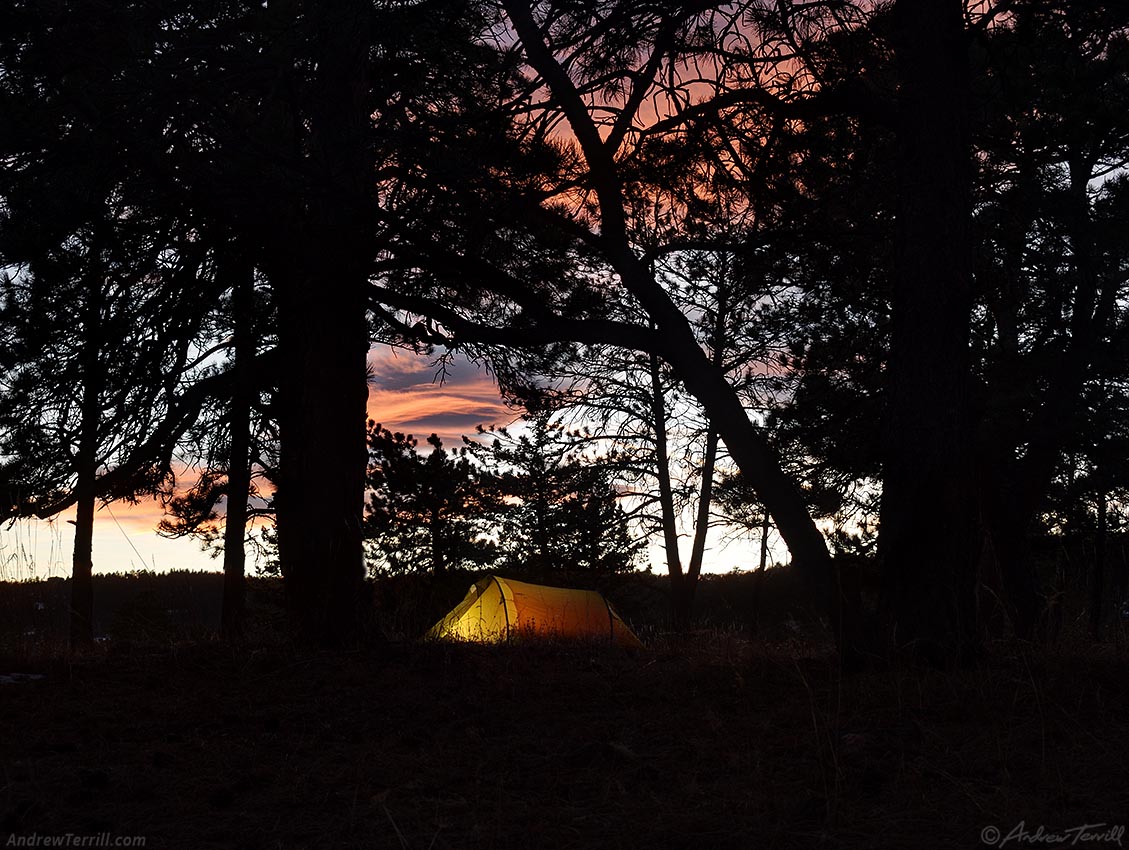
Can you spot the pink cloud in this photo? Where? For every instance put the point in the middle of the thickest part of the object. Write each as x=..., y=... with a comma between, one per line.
x=405, y=396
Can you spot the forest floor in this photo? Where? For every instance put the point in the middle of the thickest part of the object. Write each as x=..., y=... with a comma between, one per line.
x=708, y=741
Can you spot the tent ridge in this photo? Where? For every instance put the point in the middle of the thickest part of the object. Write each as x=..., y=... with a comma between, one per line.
x=505, y=608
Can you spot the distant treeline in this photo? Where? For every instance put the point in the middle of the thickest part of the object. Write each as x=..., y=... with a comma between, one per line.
x=772, y=605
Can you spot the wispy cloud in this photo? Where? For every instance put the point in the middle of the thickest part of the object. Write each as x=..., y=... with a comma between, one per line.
x=405, y=395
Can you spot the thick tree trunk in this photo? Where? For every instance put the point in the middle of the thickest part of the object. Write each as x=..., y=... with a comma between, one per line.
x=239, y=461
x=928, y=536
x=320, y=501
x=324, y=339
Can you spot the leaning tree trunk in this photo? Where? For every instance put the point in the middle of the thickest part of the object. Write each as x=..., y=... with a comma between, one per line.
x=780, y=495
x=928, y=536
x=677, y=345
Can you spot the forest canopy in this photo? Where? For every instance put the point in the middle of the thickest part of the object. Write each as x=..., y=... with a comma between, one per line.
x=854, y=269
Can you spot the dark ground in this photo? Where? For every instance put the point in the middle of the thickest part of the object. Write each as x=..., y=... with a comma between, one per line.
x=714, y=740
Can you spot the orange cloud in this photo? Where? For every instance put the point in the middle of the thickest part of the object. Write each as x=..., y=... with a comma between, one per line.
x=404, y=395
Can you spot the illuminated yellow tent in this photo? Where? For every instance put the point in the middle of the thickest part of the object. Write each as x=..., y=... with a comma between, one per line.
x=496, y=609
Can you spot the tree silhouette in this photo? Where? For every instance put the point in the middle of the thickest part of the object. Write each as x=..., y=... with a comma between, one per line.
x=1029, y=363
x=134, y=269
x=922, y=201
x=435, y=512
x=80, y=396
x=581, y=209
x=234, y=440
x=666, y=449
x=563, y=508
x=1050, y=262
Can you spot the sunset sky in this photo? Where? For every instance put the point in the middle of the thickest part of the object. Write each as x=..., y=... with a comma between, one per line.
x=404, y=395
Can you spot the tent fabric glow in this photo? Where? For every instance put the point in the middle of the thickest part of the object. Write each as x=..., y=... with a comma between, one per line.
x=496, y=609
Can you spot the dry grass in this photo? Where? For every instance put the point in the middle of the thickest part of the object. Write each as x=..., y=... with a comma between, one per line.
x=713, y=739
x=709, y=741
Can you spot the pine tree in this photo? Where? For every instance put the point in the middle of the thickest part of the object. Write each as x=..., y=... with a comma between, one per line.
x=564, y=512
x=432, y=512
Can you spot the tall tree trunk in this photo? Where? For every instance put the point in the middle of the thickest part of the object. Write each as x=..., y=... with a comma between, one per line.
x=1097, y=585
x=86, y=462
x=324, y=340
x=320, y=499
x=82, y=569
x=239, y=460
x=759, y=576
x=701, y=530
x=764, y=542
x=928, y=536
x=666, y=498
x=1013, y=505
x=1007, y=516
